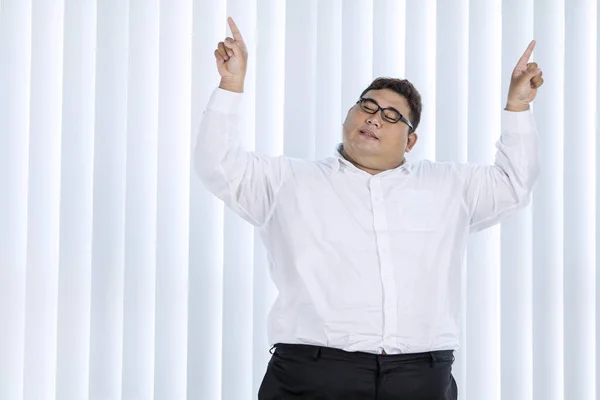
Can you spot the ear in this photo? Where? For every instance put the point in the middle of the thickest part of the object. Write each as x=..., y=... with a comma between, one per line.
x=347, y=115
x=412, y=141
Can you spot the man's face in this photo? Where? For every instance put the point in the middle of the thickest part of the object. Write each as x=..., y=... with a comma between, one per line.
x=385, y=150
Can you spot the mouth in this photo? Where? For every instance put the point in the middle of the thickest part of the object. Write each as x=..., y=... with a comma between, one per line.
x=367, y=134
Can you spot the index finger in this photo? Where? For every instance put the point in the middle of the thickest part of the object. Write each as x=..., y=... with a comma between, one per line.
x=234, y=30
x=525, y=57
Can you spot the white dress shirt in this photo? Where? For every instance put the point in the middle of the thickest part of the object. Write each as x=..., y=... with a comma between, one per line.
x=364, y=262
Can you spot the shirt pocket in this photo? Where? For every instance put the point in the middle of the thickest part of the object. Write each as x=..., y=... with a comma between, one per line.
x=418, y=211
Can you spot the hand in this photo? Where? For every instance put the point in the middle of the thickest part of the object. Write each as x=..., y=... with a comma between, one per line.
x=232, y=60
x=525, y=81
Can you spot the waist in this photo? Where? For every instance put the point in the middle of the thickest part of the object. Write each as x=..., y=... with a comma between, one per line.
x=357, y=356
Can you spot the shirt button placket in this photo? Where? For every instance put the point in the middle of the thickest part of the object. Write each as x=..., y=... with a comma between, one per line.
x=388, y=281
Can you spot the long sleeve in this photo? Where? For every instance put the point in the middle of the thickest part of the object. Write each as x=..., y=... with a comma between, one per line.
x=493, y=192
x=246, y=182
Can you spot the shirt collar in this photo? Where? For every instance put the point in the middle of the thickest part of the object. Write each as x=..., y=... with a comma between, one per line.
x=339, y=160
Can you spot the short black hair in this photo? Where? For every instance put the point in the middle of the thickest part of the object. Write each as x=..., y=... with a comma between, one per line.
x=405, y=89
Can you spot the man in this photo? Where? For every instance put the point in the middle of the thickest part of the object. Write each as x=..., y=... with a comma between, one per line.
x=365, y=247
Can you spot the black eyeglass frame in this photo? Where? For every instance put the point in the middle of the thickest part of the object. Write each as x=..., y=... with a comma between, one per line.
x=379, y=108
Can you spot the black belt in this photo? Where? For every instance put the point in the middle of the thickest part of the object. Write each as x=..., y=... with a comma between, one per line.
x=329, y=352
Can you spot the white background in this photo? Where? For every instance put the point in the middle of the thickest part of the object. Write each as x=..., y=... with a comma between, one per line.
x=122, y=278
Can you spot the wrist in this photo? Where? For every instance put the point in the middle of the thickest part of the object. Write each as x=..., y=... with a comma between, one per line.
x=232, y=85
x=516, y=107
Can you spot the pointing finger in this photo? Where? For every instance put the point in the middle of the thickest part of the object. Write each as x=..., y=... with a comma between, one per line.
x=525, y=57
x=234, y=30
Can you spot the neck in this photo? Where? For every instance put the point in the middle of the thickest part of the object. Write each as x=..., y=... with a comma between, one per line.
x=364, y=168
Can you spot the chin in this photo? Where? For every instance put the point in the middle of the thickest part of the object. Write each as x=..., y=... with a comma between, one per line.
x=363, y=146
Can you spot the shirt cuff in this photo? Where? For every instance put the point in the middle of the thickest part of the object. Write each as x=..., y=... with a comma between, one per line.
x=520, y=122
x=225, y=101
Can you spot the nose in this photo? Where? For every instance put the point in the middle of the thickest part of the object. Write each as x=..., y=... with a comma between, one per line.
x=373, y=120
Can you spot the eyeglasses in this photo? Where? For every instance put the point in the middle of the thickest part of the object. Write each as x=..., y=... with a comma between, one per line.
x=389, y=114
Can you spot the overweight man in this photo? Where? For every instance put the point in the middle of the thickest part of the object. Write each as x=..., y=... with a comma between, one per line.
x=365, y=247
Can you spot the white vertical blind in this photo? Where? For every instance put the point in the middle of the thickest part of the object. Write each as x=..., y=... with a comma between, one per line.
x=76, y=200
x=205, y=300
x=516, y=236
x=483, y=261
x=122, y=278
x=547, y=220
x=451, y=109
x=270, y=16
x=357, y=50
x=300, y=71
x=389, y=37
x=239, y=240
x=110, y=139
x=172, y=246
x=329, y=111
x=420, y=59
x=452, y=116
x=15, y=75
x=579, y=199
x=44, y=183
x=140, y=203
x=597, y=327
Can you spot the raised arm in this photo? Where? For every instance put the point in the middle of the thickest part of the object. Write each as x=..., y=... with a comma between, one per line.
x=247, y=182
x=493, y=192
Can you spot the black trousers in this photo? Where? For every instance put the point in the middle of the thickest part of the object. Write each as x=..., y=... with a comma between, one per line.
x=313, y=372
